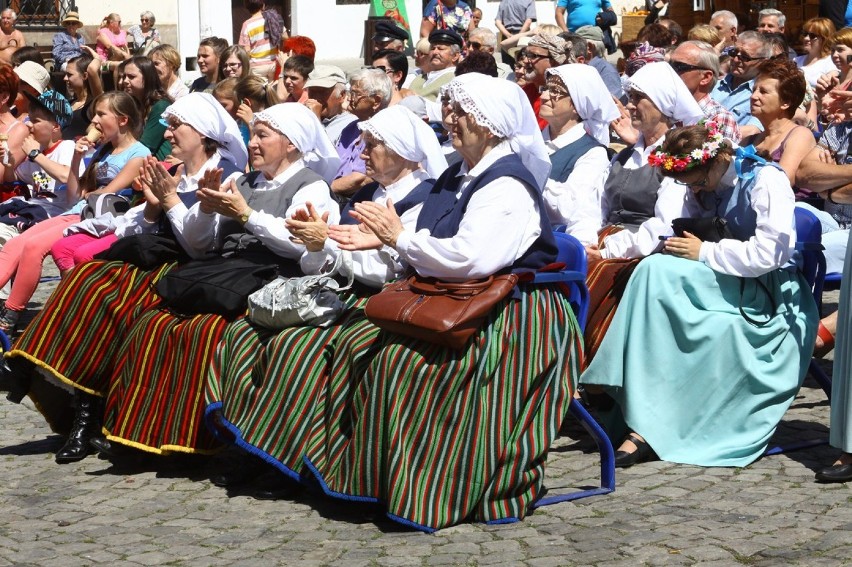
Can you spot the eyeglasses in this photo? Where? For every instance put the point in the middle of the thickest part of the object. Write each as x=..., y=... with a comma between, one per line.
x=695, y=184
x=382, y=68
x=171, y=124
x=553, y=92
x=144, y=19
x=811, y=36
x=535, y=57
x=743, y=56
x=635, y=97
x=680, y=67
x=355, y=97
x=233, y=65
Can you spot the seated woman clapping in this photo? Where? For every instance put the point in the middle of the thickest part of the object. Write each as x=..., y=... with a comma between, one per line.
x=712, y=339
x=441, y=436
x=578, y=109
x=273, y=417
x=119, y=301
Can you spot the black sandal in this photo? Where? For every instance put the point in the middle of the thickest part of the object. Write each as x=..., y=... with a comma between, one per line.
x=643, y=453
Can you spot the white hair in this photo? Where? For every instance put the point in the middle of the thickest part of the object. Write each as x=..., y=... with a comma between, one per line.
x=150, y=15
x=374, y=82
x=727, y=16
x=769, y=12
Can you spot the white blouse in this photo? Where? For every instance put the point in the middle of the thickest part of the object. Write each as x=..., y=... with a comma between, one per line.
x=198, y=232
x=372, y=267
x=500, y=224
x=775, y=236
x=576, y=202
x=816, y=69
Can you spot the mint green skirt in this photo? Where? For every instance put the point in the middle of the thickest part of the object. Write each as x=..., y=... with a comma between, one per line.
x=700, y=383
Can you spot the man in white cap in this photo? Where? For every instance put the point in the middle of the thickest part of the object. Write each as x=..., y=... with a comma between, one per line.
x=326, y=86
x=11, y=39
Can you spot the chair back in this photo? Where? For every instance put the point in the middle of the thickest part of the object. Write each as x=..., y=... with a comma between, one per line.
x=809, y=245
x=572, y=277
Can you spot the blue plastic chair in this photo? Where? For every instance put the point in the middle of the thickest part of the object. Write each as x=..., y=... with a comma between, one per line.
x=573, y=277
x=809, y=244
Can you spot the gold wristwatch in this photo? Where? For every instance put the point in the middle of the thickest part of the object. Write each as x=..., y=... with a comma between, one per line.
x=244, y=217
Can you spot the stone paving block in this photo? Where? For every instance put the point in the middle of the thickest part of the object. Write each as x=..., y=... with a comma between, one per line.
x=401, y=561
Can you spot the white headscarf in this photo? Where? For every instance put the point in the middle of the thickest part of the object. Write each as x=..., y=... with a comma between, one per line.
x=303, y=128
x=659, y=82
x=408, y=137
x=208, y=118
x=590, y=97
x=503, y=108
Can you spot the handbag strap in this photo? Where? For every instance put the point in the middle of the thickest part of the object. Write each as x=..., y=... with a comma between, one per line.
x=751, y=320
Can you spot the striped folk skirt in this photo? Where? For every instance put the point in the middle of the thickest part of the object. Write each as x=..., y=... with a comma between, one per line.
x=78, y=335
x=271, y=386
x=156, y=400
x=440, y=436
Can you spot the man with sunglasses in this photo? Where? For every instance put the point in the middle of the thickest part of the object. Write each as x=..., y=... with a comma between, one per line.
x=697, y=65
x=485, y=40
x=734, y=91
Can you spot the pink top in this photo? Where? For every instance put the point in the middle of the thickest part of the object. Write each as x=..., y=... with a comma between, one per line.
x=118, y=40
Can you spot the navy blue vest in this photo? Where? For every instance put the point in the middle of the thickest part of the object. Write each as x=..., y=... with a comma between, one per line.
x=564, y=159
x=442, y=212
x=414, y=198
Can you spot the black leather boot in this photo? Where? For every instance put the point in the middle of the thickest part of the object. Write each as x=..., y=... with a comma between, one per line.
x=15, y=376
x=87, y=424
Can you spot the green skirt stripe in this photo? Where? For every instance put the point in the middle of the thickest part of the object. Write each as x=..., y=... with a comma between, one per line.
x=156, y=402
x=78, y=333
x=269, y=385
x=443, y=436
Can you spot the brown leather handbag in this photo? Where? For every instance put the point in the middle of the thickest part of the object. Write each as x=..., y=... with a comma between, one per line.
x=445, y=313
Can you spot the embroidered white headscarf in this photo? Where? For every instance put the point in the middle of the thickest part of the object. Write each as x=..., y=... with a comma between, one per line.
x=408, y=137
x=208, y=118
x=590, y=97
x=503, y=108
x=303, y=128
x=659, y=82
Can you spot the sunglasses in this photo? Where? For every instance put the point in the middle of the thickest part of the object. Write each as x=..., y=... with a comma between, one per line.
x=680, y=67
x=811, y=36
x=535, y=57
x=555, y=93
x=475, y=45
x=743, y=56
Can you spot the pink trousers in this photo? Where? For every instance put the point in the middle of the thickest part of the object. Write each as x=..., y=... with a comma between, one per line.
x=78, y=248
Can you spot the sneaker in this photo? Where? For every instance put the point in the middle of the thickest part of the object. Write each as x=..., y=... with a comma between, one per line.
x=9, y=320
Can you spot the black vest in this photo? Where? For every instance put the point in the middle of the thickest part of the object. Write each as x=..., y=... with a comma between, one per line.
x=442, y=212
x=414, y=197
x=631, y=193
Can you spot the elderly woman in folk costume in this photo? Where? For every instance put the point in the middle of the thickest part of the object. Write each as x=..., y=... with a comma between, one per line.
x=441, y=436
x=276, y=417
x=578, y=110
x=154, y=354
x=730, y=324
x=638, y=205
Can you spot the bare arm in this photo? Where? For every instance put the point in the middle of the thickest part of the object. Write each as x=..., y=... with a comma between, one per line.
x=123, y=180
x=349, y=184
x=426, y=28
x=560, y=18
x=799, y=144
x=818, y=172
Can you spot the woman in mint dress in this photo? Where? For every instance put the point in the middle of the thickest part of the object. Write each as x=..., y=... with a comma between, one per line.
x=712, y=339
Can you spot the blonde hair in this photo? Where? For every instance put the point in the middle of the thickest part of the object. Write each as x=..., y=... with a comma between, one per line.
x=551, y=29
x=705, y=33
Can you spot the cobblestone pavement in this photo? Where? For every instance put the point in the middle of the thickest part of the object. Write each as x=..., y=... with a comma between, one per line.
x=156, y=511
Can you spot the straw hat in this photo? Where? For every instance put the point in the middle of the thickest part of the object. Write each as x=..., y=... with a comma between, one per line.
x=71, y=18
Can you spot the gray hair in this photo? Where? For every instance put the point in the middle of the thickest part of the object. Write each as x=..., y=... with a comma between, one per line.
x=707, y=57
x=765, y=49
x=374, y=82
x=422, y=47
x=727, y=16
x=577, y=48
x=150, y=15
x=782, y=19
x=11, y=11
x=486, y=37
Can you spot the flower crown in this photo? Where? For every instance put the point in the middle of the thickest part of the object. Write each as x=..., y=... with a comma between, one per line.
x=685, y=162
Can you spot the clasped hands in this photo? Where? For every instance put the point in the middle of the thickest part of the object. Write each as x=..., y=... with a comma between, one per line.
x=379, y=225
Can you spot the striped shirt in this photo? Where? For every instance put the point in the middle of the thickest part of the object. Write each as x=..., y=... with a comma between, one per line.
x=254, y=38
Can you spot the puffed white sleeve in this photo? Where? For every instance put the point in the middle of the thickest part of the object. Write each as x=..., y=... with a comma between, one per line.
x=673, y=201
x=576, y=202
x=774, y=237
x=370, y=267
x=500, y=223
x=272, y=231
